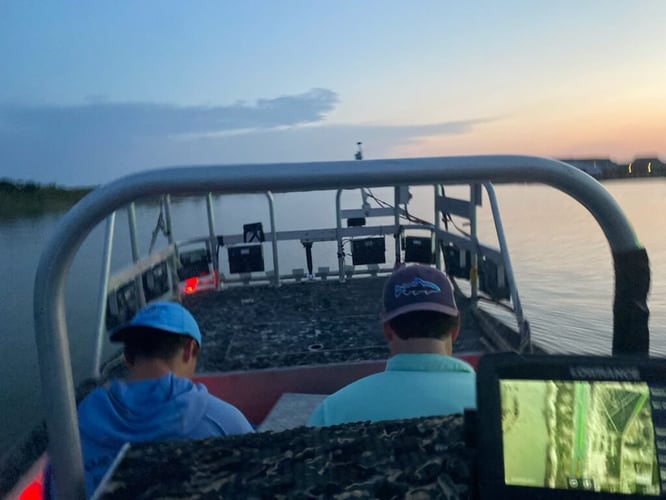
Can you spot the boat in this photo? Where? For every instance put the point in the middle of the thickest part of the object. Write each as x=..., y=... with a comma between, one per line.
x=277, y=365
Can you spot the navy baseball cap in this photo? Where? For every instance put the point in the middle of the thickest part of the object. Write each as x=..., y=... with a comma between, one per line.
x=169, y=317
x=418, y=288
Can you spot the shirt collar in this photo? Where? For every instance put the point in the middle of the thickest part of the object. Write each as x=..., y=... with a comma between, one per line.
x=427, y=363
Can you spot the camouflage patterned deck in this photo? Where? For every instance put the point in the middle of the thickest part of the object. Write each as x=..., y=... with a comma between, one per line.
x=316, y=322
x=306, y=323
x=415, y=458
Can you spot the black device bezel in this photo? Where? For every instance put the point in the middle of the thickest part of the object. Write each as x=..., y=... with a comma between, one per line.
x=494, y=367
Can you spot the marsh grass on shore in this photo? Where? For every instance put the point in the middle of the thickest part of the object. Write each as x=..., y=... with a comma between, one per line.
x=29, y=199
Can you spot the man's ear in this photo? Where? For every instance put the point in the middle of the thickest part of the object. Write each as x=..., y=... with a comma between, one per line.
x=190, y=350
x=454, y=332
x=128, y=360
x=388, y=331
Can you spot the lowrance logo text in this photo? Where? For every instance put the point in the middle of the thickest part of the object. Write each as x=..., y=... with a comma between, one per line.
x=605, y=373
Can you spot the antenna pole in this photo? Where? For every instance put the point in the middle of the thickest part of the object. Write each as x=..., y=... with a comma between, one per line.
x=359, y=153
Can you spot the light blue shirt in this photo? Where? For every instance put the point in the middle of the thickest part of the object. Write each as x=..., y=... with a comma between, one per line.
x=413, y=385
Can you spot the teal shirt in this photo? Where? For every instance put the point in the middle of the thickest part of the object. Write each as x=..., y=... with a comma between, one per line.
x=413, y=385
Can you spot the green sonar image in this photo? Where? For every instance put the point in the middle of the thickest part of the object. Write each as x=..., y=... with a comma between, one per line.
x=595, y=436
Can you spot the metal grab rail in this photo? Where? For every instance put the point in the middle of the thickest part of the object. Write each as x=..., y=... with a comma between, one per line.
x=101, y=304
x=49, y=303
x=523, y=327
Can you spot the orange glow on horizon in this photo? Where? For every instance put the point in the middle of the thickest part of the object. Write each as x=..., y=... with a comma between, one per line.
x=604, y=136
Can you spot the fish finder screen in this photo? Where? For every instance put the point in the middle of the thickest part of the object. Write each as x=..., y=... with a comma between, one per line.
x=602, y=436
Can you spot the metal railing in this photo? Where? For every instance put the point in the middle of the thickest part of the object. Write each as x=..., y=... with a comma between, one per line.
x=469, y=243
x=49, y=303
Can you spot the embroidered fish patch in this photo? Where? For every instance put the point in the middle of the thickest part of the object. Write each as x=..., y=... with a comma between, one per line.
x=416, y=287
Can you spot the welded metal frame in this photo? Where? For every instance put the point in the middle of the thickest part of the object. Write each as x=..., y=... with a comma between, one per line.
x=49, y=292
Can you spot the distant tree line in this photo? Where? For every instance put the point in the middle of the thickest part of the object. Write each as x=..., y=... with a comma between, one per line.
x=29, y=199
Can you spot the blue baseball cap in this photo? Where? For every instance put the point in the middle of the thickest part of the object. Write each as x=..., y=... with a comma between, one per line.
x=418, y=288
x=169, y=317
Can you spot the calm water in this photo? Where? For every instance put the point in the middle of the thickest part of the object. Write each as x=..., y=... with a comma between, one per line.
x=561, y=261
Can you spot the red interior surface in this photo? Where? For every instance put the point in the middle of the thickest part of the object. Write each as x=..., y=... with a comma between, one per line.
x=255, y=392
x=30, y=487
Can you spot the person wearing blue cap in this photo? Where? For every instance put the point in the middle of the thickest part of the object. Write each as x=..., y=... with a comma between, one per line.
x=158, y=401
x=420, y=321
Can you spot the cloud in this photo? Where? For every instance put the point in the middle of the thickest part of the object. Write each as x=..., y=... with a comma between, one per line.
x=321, y=142
x=149, y=119
x=97, y=141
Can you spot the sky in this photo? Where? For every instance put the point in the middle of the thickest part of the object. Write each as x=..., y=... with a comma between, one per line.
x=91, y=91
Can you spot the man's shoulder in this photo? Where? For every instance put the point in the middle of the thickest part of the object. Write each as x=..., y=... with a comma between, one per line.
x=93, y=398
x=218, y=406
x=357, y=389
x=335, y=407
x=230, y=418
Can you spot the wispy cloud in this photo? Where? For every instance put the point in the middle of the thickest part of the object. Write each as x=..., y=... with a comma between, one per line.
x=321, y=142
x=97, y=141
x=148, y=119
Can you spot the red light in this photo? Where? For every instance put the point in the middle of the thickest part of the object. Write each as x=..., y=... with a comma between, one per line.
x=33, y=491
x=191, y=284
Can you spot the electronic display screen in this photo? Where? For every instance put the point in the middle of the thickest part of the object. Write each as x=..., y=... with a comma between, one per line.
x=572, y=427
x=589, y=435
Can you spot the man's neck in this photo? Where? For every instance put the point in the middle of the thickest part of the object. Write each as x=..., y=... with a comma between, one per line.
x=144, y=369
x=421, y=346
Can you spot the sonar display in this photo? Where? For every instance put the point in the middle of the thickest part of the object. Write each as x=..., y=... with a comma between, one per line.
x=583, y=435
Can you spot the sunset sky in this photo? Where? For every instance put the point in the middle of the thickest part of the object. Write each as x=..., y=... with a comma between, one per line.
x=93, y=90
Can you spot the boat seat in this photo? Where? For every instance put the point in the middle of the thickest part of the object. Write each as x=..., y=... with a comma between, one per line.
x=291, y=410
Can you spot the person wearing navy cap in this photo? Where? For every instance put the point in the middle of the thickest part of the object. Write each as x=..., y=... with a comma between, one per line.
x=420, y=321
x=158, y=401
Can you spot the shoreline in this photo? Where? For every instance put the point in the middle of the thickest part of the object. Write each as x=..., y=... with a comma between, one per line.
x=29, y=199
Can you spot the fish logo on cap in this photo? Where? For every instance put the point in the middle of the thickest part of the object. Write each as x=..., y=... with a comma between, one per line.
x=416, y=287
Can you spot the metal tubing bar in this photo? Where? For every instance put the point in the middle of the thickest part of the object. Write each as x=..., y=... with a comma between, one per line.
x=212, y=239
x=290, y=277
x=438, y=227
x=369, y=212
x=338, y=235
x=131, y=219
x=396, y=220
x=167, y=216
x=504, y=249
x=136, y=256
x=274, y=245
x=499, y=169
x=49, y=307
x=315, y=235
x=103, y=289
x=55, y=369
x=308, y=258
x=474, y=255
x=173, y=272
